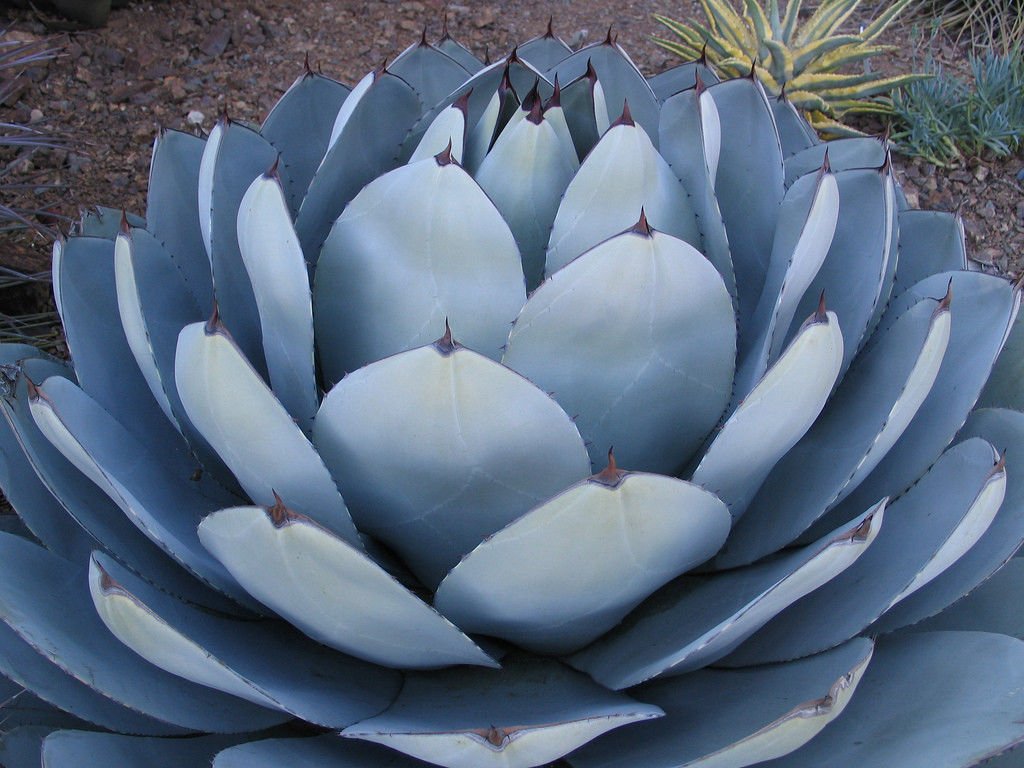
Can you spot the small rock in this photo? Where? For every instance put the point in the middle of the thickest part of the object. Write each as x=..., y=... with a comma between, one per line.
x=83, y=75
x=35, y=116
x=195, y=117
x=110, y=56
x=485, y=17
x=981, y=173
x=913, y=199
x=216, y=42
x=216, y=14
x=409, y=25
x=77, y=162
x=176, y=87
x=988, y=210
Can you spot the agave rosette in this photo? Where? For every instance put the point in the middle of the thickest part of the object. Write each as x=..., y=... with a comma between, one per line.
x=335, y=448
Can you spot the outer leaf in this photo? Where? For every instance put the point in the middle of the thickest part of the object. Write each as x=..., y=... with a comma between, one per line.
x=84, y=749
x=732, y=718
x=266, y=663
x=544, y=52
x=610, y=540
x=675, y=79
x=776, y=413
x=251, y=431
x=317, y=752
x=273, y=260
x=915, y=709
x=926, y=529
x=367, y=145
x=529, y=713
x=619, y=361
x=488, y=446
x=332, y=591
x=45, y=600
x=930, y=242
x=431, y=72
x=695, y=621
x=843, y=155
x=299, y=128
x=416, y=246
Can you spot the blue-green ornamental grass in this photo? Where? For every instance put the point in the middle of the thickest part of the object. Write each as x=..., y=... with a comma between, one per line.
x=331, y=481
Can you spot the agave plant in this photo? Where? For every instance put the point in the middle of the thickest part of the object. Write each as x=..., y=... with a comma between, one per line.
x=330, y=482
x=812, y=63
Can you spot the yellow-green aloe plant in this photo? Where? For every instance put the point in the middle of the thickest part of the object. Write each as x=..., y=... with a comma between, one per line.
x=810, y=64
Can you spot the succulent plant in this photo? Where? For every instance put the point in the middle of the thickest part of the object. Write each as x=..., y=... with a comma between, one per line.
x=811, y=63
x=330, y=482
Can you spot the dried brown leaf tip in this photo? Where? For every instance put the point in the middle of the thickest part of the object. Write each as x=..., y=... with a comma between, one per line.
x=214, y=324
x=947, y=300
x=462, y=103
x=611, y=475
x=107, y=582
x=446, y=344
x=1000, y=466
x=279, y=513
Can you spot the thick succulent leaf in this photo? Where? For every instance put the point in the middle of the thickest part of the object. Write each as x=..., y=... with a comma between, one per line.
x=487, y=446
x=854, y=274
x=1003, y=387
x=456, y=50
x=694, y=621
x=164, y=507
x=172, y=209
x=585, y=112
x=89, y=506
x=925, y=530
x=104, y=362
x=330, y=751
x=418, y=245
x=679, y=78
x=530, y=712
x=100, y=221
x=1004, y=429
x=795, y=133
x=447, y=130
x=45, y=600
x=748, y=184
x=871, y=408
x=777, y=412
x=732, y=718
x=691, y=142
x=928, y=700
x=32, y=671
x=155, y=304
x=569, y=570
x=299, y=128
x=985, y=308
x=622, y=176
x=930, y=242
x=843, y=155
x=525, y=174
x=230, y=163
x=332, y=591
x=20, y=745
x=367, y=146
x=619, y=361
x=266, y=663
x=804, y=230
x=274, y=263
x=37, y=507
x=621, y=82
x=21, y=707
x=431, y=72
x=86, y=749
x=544, y=52
x=251, y=431
x=985, y=609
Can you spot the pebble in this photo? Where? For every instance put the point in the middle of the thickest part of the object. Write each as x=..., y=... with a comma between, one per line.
x=195, y=117
x=988, y=210
x=35, y=116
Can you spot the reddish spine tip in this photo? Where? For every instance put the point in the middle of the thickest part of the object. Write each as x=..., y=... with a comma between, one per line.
x=532, y=97
x=556, y=96
x=107, y=583
x=753, y=70
x=213, y=325
x=536, y=115
x=307, y=67
x=826, y=167
x=820, y=315
x=423, y=38
x=224, y=119
x=947, y=300
x=626, y=118
x=34, y=393
x=446, y=344
x=862, y=531
x=444, y=27
x=462, y=103
x=1000, y=465
x=608, y=40
x=591, y=72
x=703, y=54
x=513, y=56
x=381, y=70
x=278, y=513
x=550, y=33
x=495, y=736
x=698, y=82
x=444, y=157
x=126, y=228
x=642, y=227
x=505, y=86
x=272, y=171
x=610, y=475
x=886, y=167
